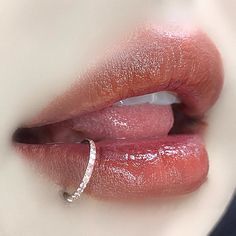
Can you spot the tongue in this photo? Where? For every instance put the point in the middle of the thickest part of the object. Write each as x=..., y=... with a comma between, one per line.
x=123, y=122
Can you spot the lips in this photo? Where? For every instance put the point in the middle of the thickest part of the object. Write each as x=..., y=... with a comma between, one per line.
x=143, y=149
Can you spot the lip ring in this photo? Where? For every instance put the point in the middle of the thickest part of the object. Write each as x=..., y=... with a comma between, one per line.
x=87, y=175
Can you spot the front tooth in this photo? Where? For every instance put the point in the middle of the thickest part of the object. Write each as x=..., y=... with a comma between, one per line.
x=160, y=98
x=165, y=98
x=147, y=98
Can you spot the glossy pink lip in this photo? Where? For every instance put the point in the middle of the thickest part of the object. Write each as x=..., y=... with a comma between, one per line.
x=170, y=58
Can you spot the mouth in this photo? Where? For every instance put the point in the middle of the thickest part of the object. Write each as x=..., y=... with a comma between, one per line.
x=144, y=107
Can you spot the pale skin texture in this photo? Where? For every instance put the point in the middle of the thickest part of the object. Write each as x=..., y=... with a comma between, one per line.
x=43, y=47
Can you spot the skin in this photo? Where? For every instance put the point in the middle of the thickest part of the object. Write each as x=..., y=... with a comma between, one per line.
x=34, y=69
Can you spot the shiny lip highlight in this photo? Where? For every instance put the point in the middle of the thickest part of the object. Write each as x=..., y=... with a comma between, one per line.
x=182, y=60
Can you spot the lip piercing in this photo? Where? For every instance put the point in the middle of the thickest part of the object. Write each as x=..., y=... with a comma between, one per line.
x=87, y=175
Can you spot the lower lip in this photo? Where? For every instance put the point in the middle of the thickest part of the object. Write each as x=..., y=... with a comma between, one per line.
x=168, y=166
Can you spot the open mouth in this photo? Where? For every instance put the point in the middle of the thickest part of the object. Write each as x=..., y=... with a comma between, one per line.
x=143, y=106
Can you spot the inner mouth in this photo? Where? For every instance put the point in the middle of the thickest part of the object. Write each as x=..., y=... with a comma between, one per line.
x=148, y=116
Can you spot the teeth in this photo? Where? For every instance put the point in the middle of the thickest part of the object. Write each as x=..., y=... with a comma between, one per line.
x=160, y=98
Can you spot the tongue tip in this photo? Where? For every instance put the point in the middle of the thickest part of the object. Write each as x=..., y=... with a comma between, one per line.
x=116, y=122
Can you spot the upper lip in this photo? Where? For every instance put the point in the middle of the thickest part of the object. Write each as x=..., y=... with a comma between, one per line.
x=182, y=60
x=177, y=59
